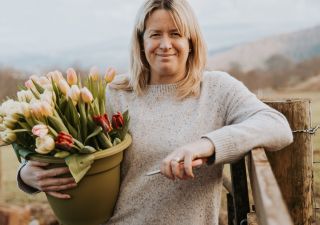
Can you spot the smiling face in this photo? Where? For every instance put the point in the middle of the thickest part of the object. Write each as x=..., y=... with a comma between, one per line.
x=166, y=49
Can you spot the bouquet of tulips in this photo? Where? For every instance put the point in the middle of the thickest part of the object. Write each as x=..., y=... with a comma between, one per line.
x=63, y=118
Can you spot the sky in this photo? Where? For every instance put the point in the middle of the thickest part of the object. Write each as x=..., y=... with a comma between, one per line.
x=36, y=34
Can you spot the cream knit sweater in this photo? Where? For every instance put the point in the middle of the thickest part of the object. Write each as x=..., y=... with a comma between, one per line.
x=226, y=113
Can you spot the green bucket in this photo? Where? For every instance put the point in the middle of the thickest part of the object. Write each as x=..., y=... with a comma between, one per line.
x=93, y=200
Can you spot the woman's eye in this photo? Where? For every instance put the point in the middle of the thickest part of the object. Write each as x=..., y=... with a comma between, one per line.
x=154, y=35
x=176, y=34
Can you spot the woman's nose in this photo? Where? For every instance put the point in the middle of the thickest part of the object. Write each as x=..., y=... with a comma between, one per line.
x=165, y=43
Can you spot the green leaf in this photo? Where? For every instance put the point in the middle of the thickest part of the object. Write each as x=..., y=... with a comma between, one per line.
x=94, y=133
x=38, y=87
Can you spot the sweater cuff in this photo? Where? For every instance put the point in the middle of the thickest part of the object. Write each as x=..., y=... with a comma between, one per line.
x=23, y=186
x=225, y=148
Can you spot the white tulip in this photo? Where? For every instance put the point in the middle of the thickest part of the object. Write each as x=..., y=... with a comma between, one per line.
x=45, y=144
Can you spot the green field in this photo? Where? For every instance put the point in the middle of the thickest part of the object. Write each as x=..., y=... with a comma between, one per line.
x=9, y=163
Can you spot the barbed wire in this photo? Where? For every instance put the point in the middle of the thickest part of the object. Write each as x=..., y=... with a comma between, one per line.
x=309, y=131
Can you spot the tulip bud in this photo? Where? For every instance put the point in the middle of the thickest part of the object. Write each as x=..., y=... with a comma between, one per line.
x=44, y=145
x=46, y=109
x=72, y=76
x=63, y=86
x=35, y=108
x=94, y=74
x=34, y=78
x=74, y=94
x=117, y=120
x=24, y=95
x=10, y=120
x=110, y=74
x=40, y=130
x=8, y=136
x=29, y=84
x=48, y=96
x=57, y=76
x=25, y=109
x=86, y=95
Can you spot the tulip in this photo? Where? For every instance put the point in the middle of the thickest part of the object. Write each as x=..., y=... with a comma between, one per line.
x=41, y=109
x=63, y=86
x=57, y=76
x=86, y=95
x=10, y=107
x=48, y=96
x=40, y=130
x=25, y=95
x=45, y=144
x=64, y=141
x=8, y=136
x=110, y=74
x=10, y=120
x=25, y=109
x=74, y=94
x=46, y=109
x=117, y=120
x=29, y=84
x=94, y=74
x=72, y=76
x=104, y=122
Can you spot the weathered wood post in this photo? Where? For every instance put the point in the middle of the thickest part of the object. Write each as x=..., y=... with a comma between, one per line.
x=1, y=179
x=292, y=166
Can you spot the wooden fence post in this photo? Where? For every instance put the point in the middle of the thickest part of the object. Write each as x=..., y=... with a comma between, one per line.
x=292, y=166
x=1, y=179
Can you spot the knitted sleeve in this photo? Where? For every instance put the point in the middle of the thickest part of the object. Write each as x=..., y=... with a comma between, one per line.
x=249, y=123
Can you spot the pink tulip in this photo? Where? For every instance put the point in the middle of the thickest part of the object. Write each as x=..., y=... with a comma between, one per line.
x=110, y=74
x=72, y=76
x=40, y=130
x=28, y=84
x=86, y=95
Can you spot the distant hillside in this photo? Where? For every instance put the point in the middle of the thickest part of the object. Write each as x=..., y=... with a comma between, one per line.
x=290, y=48
x=311, y=84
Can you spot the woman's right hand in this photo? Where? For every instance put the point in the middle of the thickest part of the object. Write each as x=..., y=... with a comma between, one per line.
x=35, y=175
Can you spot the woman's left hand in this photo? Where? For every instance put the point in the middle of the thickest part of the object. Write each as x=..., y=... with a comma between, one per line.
x=170, y=166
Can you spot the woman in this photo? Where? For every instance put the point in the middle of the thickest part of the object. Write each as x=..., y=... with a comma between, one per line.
x=178, y=113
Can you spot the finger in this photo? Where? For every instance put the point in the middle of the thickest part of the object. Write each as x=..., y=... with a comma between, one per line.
x=188, y=167
x=165, y=169
x=56, y=181
x=58, y=195
x=36, y=163
x=175, y=168
x=60, y=187
x=53, y=172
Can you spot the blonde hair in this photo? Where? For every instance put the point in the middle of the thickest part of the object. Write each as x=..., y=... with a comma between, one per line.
x=187, y=24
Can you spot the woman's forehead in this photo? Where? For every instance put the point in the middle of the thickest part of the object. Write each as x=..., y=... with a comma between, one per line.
x=161, y=19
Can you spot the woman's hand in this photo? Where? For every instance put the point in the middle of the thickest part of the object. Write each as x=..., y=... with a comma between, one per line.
x=170, y=166
x=34, y=175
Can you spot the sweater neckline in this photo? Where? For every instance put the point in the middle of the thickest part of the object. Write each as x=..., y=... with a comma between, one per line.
x=162, y=88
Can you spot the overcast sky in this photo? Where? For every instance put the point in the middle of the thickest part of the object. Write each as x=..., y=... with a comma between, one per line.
x=77, y=28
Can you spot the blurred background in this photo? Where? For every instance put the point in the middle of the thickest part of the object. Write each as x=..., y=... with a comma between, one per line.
x=272, y=46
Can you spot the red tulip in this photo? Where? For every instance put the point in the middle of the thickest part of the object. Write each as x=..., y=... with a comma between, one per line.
x=117, y=120
x=103, y=121
x=64, y=141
